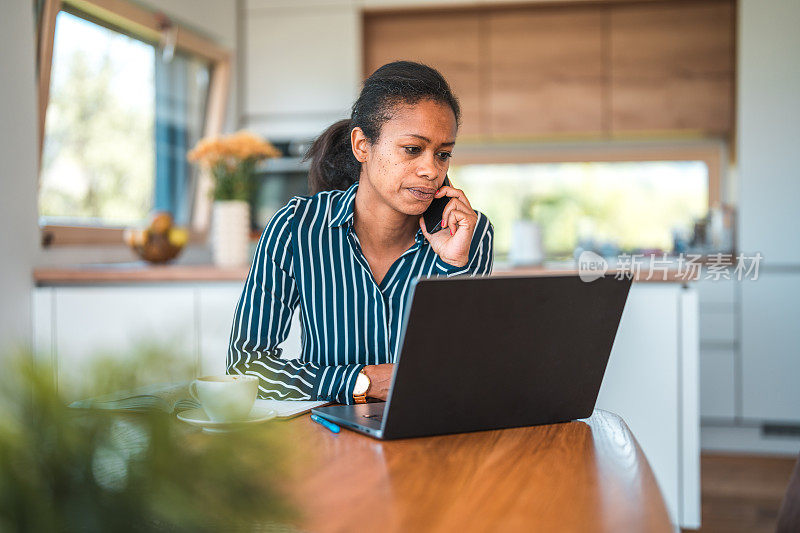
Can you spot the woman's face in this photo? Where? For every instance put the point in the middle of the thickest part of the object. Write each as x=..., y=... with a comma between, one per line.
x=409, y=161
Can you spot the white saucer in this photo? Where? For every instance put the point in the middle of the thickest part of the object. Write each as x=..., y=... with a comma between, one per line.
x=198, y=417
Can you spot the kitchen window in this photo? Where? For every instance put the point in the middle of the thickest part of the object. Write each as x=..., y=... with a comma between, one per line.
x=624, y=201
x=128, y=93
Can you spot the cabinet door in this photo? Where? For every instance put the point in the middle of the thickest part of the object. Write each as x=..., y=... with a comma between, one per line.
x=768, y=128
x=717, y=384
x=449, y=42
x=217, y=304
x=771, y=347
x=546, y=71
x=641, y=383
x=672, y=66
x=121, y=322
x=302, y=67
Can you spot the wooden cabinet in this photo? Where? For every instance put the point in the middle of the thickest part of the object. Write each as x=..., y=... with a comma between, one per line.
x=450, y=43
x=579, y=70
x=671, y=66
x=545, y=72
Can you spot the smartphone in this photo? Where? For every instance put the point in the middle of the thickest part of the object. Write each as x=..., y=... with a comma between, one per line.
x=433, y=215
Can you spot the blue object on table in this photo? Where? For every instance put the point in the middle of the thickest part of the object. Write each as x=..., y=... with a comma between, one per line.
x=330, y=425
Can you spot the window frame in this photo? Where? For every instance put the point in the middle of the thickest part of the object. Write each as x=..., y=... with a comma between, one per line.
x=145, y=25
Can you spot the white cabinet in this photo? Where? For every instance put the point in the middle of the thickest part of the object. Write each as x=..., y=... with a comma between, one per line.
x=771, y=347
x=719, y=348
x=302, y=66
x=717, y=383
x=116, y=322
x=768, y=113
x=216, y=307
x=75, y=325
x=652, y=383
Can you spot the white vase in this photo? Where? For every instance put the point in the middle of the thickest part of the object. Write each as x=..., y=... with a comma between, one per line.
x=526, y=243
x=230, y=233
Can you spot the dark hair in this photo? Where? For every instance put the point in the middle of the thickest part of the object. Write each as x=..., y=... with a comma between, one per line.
x=333, y=165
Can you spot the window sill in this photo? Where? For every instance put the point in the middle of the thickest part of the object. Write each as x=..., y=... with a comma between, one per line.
x=67, y=236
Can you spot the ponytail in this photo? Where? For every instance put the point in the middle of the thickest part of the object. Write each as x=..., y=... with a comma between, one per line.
x=333, y=165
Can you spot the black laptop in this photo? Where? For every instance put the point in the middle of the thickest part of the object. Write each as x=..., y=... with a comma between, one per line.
x=482, y=353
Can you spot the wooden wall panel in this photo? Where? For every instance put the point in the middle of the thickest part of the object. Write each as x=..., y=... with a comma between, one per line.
x=546, y=72
x=672, y=66
x=448, y=42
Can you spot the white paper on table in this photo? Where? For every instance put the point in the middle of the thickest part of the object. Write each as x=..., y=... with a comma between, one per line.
x=289, y=408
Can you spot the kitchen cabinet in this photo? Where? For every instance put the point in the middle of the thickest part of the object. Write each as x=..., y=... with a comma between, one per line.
x=545, y=71
x=452, y=48
x=717, y=326
x=569, y=69
x=74, y=325
x=302, y=67
x=216, y=307
x=719, y=348
x=652, y=383
x=768, y=129
x=771, y=347
x=672, y=66
x=115, y=321
x=717, y=383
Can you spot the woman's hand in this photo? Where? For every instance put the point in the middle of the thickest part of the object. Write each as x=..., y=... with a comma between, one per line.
x=452, y=242
x=380, y=378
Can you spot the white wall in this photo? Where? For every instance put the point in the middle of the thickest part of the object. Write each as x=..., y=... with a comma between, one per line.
x=18, y=142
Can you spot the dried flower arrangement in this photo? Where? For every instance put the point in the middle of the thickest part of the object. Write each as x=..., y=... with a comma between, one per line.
x=232, y=160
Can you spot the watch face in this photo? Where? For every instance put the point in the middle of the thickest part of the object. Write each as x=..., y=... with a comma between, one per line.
x=362, y=384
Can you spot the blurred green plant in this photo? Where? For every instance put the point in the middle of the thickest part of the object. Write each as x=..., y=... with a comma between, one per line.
x=65, y=470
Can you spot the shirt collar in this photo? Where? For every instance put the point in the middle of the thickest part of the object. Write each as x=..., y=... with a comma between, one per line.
x=342, y=213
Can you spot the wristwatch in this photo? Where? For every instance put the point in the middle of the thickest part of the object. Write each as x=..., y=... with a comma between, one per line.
x=361, y=387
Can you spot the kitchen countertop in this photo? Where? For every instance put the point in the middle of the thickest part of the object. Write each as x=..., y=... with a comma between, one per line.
x=140, y=272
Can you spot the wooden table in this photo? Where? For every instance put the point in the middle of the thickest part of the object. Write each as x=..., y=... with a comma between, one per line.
x=585, y=476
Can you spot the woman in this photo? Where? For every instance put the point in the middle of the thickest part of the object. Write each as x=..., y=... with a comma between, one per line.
x=348, y=253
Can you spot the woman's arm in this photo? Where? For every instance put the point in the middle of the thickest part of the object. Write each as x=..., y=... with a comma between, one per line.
x=262, y=320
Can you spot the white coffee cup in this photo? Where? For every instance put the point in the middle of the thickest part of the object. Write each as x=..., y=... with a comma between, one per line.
x=225, y=398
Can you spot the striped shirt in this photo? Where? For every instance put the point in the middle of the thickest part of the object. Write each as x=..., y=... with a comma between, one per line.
x=309, y=254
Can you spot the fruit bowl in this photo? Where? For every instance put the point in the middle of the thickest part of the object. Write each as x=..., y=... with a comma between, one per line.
x=159, y=242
